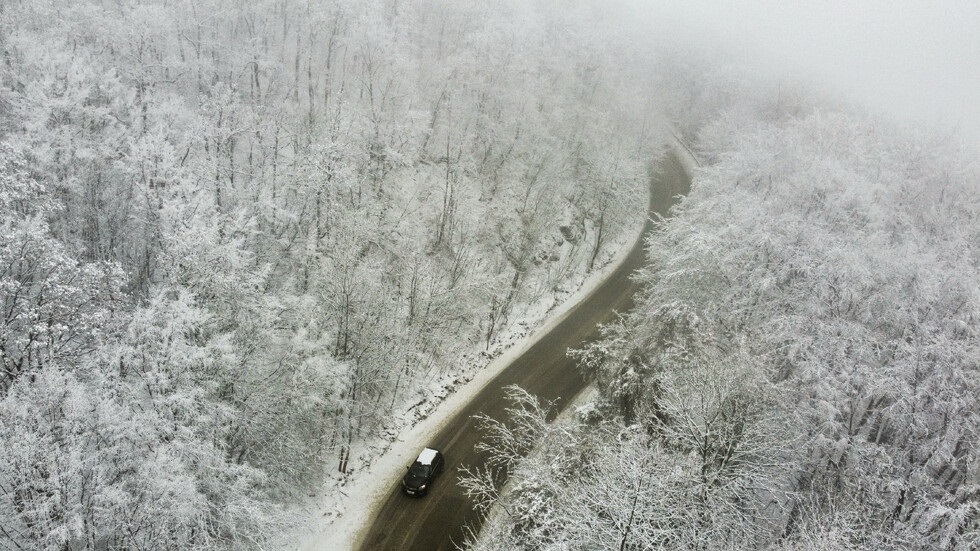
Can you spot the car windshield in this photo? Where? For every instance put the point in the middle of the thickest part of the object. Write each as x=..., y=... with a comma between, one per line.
x=419, y=469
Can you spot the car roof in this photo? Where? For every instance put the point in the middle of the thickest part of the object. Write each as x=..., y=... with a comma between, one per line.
x=427, y=456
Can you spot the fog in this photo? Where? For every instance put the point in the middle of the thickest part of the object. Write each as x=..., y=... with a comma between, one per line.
x=918, y=61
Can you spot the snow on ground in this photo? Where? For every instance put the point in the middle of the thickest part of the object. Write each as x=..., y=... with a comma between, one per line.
x=334, y=519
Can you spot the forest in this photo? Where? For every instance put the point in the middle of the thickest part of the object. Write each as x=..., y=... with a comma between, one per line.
x=801, y=370
x=241, y=241
x=243, y=245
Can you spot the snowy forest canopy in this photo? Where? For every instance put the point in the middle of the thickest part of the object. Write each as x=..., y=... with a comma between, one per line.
x=803, y=367
x=236, y=236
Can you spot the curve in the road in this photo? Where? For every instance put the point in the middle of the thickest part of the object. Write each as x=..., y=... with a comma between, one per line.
x=439, y=521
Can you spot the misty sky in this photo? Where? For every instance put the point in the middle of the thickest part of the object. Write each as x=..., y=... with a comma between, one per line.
x=918, y=60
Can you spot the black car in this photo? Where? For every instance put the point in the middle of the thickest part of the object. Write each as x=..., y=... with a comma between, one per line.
x=421, y=474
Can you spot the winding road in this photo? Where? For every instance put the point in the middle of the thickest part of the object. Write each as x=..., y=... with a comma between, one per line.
x=441, y=520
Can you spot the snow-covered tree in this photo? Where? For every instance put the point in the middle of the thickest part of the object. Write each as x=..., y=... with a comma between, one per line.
x=803, y=355
x=243, y=234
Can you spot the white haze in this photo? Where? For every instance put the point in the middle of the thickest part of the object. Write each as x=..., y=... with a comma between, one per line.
x=918, y=61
